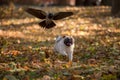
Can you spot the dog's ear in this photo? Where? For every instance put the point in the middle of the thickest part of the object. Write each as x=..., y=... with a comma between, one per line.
x=64, y=36
x=58, y=38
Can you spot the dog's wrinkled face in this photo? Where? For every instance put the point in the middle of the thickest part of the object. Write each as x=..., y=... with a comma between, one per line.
x=68, y=41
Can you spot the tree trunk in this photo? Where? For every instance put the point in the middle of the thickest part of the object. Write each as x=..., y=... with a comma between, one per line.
x=79, y=2
x=107, y=2
x=72, y=2
x=61, y=2
x=116, y=7
x=66, y=2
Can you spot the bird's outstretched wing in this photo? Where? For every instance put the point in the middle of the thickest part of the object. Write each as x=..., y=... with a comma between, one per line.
x=61, y=15
x=36, y=12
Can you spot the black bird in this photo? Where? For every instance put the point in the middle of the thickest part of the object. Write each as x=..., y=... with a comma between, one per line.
x=48, y=17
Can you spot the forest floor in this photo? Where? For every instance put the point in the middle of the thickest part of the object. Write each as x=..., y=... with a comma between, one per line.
x=26, y=50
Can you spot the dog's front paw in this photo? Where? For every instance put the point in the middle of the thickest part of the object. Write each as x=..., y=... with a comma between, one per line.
x=69, y=64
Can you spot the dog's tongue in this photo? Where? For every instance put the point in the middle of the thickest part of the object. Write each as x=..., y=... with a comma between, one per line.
x=68, y=44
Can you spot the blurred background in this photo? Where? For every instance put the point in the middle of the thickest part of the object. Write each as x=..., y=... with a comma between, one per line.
x=58, y=2
x=11, y=4
x=26, y=49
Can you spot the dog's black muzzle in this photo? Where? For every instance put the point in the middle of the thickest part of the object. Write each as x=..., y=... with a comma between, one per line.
x=68, y=41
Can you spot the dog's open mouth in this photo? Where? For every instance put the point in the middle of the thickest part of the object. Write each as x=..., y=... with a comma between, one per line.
x=68, y=44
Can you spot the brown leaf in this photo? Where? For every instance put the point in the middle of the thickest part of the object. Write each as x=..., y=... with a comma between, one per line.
x=26, y=77
x=46, y=77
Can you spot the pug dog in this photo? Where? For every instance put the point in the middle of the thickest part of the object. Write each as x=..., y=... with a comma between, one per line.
x=65, y=46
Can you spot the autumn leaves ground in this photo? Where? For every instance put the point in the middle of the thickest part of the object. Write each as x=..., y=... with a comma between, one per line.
x=27, y=49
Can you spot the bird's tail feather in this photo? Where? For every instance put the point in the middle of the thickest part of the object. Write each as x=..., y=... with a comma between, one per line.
x=47, y=25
